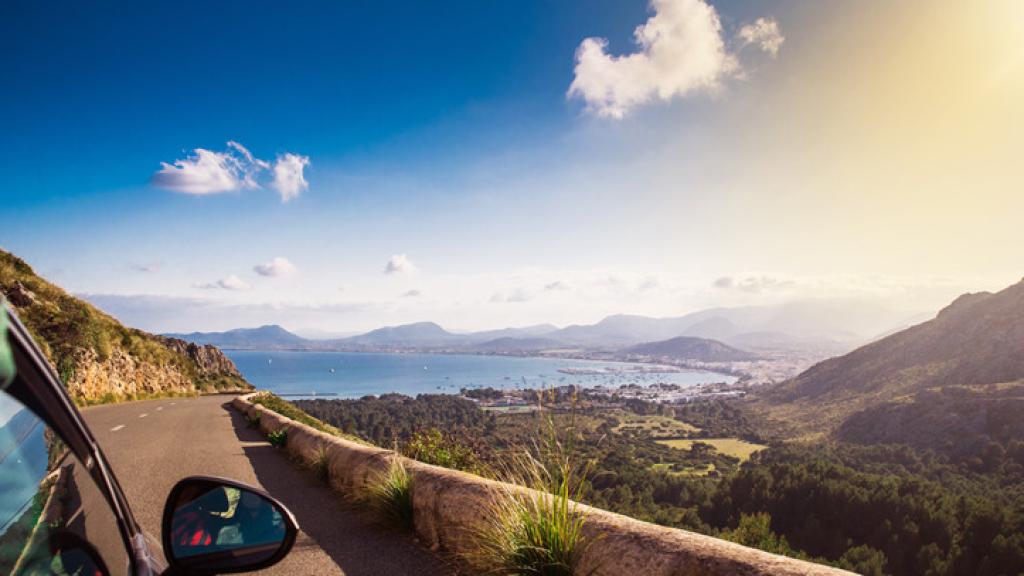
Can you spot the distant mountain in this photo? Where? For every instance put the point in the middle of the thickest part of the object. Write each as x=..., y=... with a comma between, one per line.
x=796, y=325
x=512, y=345
x=419, y=334
x=716, y=327
x=976, y=340
x=266, y=337
x=622, y=330
x=524, y=332
x=689, y=348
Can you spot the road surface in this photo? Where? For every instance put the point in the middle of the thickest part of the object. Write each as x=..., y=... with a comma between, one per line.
x=154, y=443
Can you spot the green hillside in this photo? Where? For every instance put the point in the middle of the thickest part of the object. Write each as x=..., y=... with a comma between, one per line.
x=98, y=358
x=977, y=340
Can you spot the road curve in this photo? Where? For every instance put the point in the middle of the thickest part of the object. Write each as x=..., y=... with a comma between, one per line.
x=154, y=443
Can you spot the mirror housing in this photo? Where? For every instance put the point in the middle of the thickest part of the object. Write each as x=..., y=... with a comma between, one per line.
x=218, y=526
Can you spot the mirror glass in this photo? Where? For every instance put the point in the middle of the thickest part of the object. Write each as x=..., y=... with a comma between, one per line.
x=216, y=528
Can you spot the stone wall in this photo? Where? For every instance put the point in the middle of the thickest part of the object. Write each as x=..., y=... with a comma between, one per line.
x=449, y=506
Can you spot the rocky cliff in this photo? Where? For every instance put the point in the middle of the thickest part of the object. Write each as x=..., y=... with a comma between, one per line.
x=101, y=360
x=208, y=358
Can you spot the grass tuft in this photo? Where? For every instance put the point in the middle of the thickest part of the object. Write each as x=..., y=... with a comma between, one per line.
x=536, y=532
x=278, y=438
x=389, y=494
x=320, y=463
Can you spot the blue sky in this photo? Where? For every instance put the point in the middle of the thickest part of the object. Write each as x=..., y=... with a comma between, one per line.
x=515, y=179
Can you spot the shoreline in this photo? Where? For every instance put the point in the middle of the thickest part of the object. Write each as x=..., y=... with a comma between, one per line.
x=454, y=373
x=669, y=368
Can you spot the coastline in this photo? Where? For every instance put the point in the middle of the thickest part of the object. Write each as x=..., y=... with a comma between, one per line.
x=354, y=374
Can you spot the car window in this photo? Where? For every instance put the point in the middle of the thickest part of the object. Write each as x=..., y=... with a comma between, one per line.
x=53, y=517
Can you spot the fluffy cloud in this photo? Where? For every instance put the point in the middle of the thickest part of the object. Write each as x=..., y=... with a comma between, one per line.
x=520, y=295
x=763, y=33
x=232, y=282
x=412, y=294
x=288, y=178
x=681, y=51
x=400, y=264
x=279, y=266
x=208, y=172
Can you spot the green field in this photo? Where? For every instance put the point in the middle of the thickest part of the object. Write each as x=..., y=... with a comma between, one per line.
x=651, y=425
x=729, y=446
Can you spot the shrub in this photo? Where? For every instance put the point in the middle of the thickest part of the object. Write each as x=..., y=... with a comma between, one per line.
x=389, y=494
x=252, y=421
x=278, y=438
x=433, y=447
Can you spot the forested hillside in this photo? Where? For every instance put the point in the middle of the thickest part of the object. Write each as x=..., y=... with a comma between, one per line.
x=976, y=340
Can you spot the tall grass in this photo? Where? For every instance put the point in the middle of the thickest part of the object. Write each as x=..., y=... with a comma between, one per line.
x=389, y=494
x=538, y=531
x=320, y=463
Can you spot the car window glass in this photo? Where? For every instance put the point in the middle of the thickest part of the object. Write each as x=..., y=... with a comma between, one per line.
x=53, y=517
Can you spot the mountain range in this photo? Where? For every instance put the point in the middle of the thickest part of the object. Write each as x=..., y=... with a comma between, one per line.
x=825, y=326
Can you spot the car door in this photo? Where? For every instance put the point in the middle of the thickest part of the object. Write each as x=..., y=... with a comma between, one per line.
x=54, y=518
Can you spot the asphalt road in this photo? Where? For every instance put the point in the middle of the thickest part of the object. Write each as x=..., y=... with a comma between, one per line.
x=153, y=444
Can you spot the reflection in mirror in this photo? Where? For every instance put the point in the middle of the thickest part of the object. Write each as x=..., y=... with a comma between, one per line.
x=216, y=527
x=54, y=519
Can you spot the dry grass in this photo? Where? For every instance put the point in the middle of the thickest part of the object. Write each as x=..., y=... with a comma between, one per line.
x=734, y=447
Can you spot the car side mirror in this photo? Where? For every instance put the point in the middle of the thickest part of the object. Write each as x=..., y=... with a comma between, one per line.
x=218, y=526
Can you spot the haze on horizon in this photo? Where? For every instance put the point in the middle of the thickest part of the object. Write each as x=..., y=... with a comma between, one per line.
x=338, y=168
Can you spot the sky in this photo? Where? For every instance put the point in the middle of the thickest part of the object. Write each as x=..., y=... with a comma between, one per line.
x=334, y=167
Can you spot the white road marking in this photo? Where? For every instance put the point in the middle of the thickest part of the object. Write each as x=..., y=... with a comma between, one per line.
x=159, y=408
x=173, y=403
x=116, y=428
x=143, y=415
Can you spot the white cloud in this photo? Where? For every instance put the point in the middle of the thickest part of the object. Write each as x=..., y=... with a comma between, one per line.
x=763, y=33
x=556, y=285
x=288, y=178
x=412, y=294
x=205, y=172
x=232, y=282
x=279, y=266
x=209, y=172
x=681, y=51
x=752, y=284
x=400, y=264
x=516, y=296
x=520, y=295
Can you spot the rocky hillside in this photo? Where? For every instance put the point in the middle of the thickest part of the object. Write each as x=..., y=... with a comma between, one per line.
x=98, y=358
x=976, y=340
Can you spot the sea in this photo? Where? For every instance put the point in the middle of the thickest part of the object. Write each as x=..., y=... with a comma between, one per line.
x=307, y=374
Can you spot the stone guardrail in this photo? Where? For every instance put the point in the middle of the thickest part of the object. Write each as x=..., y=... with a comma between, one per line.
x=448, y=505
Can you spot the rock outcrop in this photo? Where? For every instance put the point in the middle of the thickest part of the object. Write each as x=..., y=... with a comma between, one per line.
x=19, y=296
x=208, y=358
